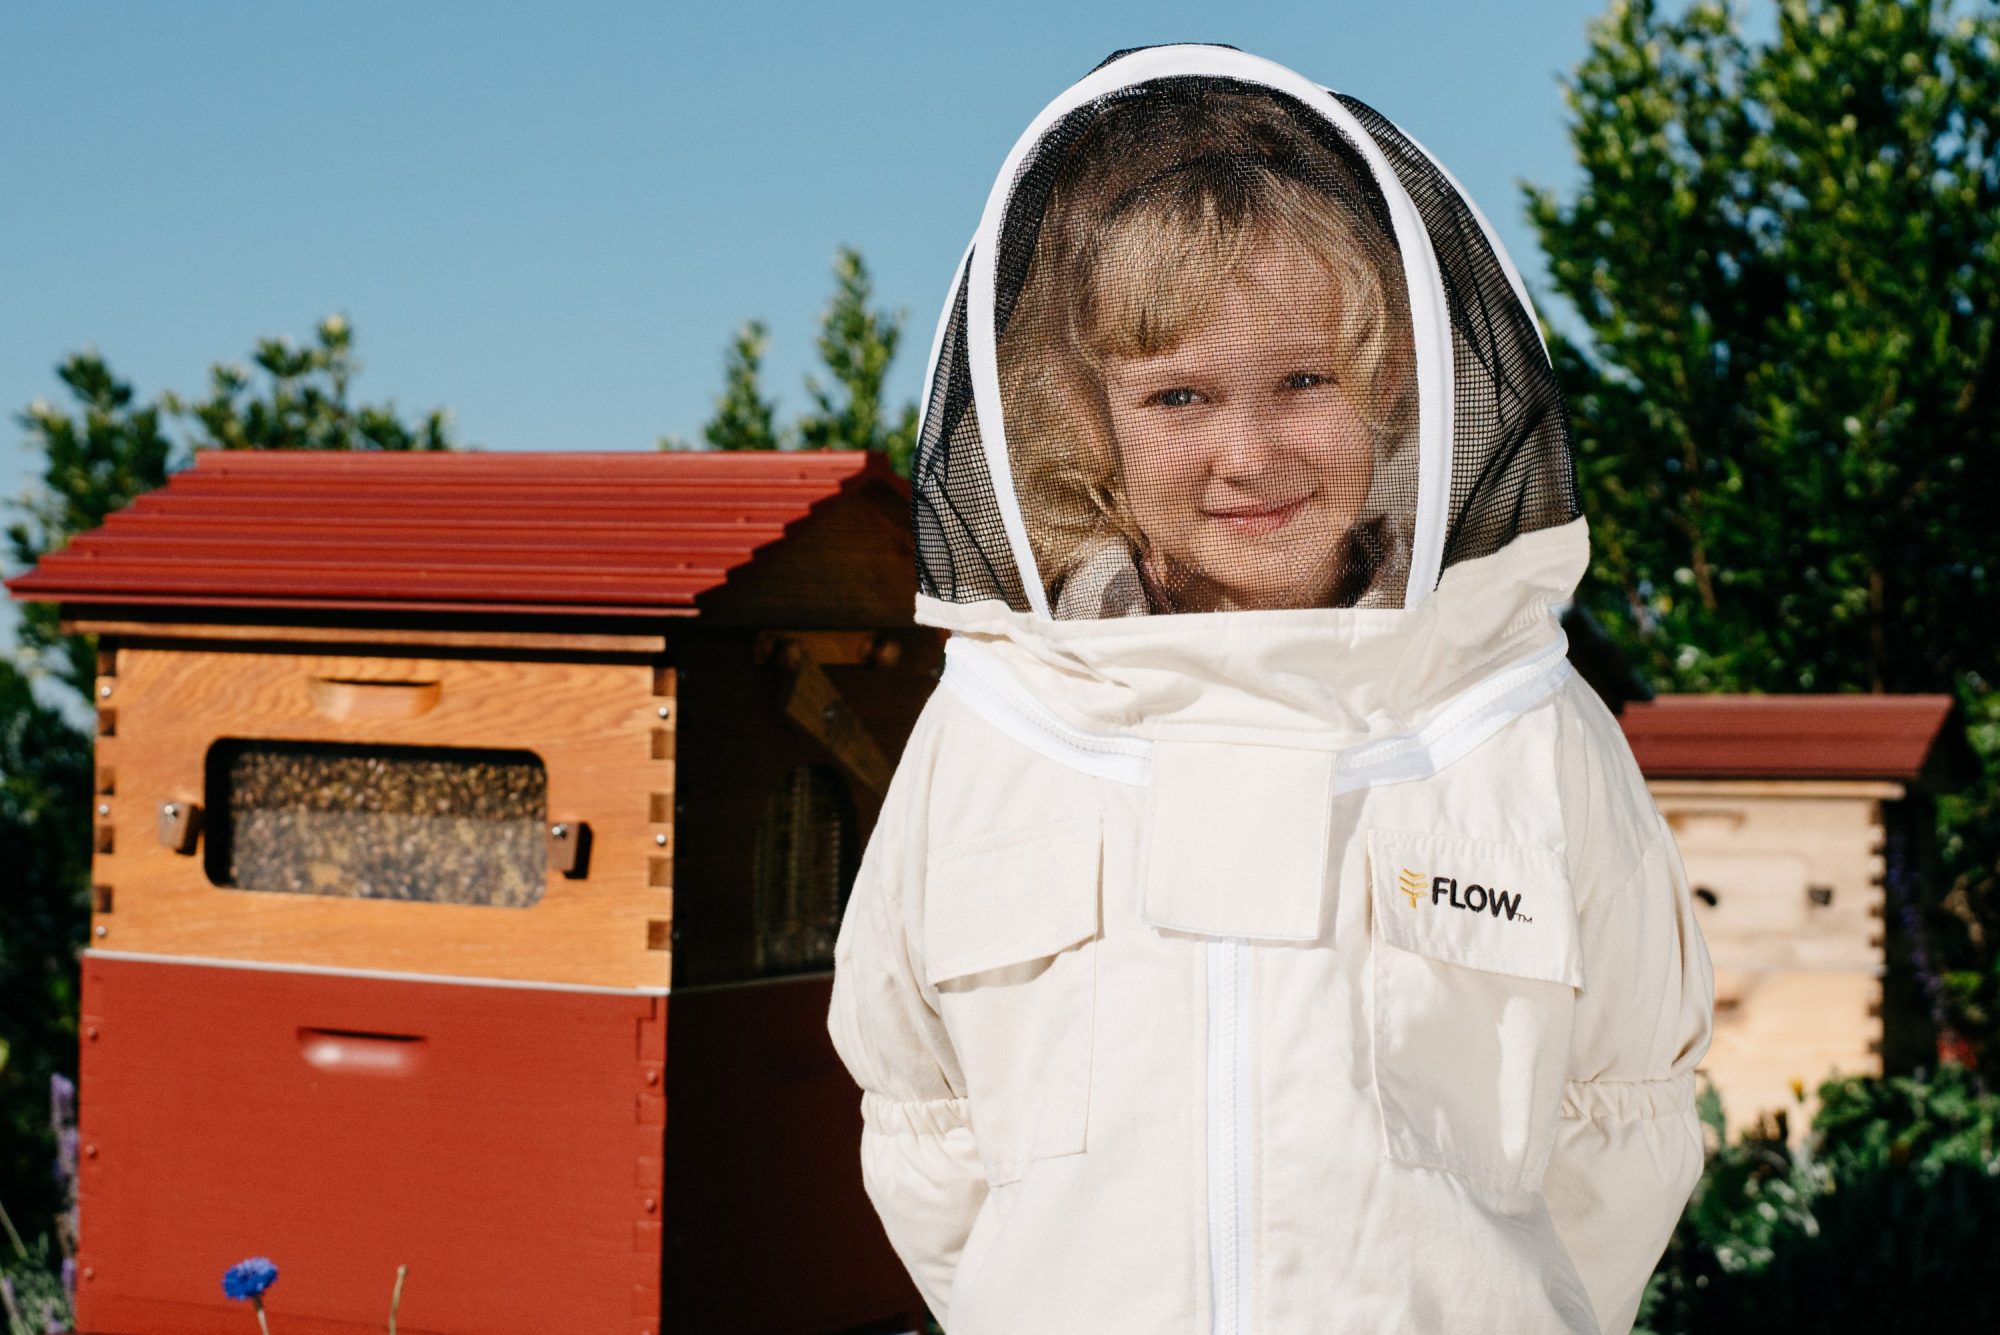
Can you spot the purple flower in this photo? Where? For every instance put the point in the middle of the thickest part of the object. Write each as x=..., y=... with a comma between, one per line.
x=69, y=1278
x=249, y=1279
x=62, y=1099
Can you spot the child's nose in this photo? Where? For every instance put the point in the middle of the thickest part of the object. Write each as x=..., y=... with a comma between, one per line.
x=1248, y=445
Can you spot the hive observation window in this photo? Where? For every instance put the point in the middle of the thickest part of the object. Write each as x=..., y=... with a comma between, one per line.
x=447, y=825
x=805, y=860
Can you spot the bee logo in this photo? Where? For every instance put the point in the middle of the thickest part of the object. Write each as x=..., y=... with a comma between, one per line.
x=1412, y=884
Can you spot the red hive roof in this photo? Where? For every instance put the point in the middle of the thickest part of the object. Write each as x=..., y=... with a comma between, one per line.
x=631, y=533
x=1784, y=736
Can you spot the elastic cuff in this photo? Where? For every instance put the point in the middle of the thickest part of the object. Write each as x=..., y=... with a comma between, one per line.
x=1629, y=1100
x=922, y=1117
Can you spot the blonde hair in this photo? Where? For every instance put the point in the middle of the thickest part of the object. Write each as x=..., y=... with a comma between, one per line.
x=1153, y=209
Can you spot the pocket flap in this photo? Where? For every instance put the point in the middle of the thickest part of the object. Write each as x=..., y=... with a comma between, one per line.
x=1011, y=896
x=1506, y=908
x=1235, y=841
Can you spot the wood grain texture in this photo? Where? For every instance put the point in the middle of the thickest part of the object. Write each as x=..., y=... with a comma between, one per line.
x=1789, y=896
x=597, y=727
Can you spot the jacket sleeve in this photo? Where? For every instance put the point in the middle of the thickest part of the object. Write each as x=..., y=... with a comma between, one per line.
x=919, y=1162
x=1628, y=1148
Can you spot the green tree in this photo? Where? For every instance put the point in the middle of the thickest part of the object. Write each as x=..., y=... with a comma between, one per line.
x=45, y=767
x=856, y=344
x=744, y=419
x=93, y=462
x=302, y=403
x=1786, y=255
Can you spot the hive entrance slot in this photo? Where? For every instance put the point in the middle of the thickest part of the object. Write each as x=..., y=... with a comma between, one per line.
x=345, y=1051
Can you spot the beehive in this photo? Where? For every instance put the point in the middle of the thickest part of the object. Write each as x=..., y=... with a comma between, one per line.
x=1785, y=809
x=471, y=833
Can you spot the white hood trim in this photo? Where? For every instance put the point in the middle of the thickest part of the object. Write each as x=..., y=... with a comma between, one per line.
x=1431, y=328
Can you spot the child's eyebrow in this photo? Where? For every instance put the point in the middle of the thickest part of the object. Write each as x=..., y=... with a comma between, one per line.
x=1304, y=345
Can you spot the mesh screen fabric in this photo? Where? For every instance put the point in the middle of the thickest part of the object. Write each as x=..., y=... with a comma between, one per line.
x=1138, y=240
x=1191, y=273
x=1512, y=469
x=963, y=555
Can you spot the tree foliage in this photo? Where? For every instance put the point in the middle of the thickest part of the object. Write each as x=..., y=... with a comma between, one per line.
x=93, y=462
x=45, y=767
x=744, y=419
x=856, y=344
x=302, y=402
x=1880, y=1220
x=1786, y=255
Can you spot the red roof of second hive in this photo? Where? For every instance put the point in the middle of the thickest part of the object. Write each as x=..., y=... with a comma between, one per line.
x=1846, y=736
x=572, y=532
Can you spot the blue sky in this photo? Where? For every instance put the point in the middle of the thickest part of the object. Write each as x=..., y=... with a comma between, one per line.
x=549, y=218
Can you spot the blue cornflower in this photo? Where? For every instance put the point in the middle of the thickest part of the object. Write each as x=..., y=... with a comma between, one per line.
x=249, y=1279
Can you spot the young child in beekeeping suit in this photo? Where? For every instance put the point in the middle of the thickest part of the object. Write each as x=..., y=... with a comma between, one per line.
x=1265, y=930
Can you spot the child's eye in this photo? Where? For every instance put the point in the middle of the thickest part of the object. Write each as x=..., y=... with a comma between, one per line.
x=1306, y=380
x=1178, y=397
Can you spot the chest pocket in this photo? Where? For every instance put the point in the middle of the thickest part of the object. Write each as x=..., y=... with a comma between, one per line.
x=1011, y=924
x=1474, y=973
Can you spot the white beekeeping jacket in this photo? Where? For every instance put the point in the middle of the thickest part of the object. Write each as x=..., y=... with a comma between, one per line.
x=1265, y=930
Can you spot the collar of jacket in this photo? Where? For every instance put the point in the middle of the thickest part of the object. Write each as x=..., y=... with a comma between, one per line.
x=1329, y=678
x=1245, y=727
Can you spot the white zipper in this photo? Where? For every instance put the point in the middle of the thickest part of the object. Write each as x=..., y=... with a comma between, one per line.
x=1229, y=1136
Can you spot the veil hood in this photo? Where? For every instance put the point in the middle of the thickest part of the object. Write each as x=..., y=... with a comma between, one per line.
x=1445, y=530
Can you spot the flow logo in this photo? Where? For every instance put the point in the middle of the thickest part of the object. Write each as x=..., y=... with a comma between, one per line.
x=1477, y=898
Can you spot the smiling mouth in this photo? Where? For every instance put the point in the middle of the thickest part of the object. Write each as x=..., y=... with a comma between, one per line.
x=1252, y=522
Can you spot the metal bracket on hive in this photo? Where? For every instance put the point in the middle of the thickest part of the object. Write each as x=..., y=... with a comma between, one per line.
x=569, y=847
x=814, y=703
x=179, y=824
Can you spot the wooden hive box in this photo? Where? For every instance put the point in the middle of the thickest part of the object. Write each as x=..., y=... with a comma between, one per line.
x=1786, y=810
x=471, y=834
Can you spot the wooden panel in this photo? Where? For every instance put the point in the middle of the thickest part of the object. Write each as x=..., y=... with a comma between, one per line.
x=737, y=751
x=1775, y=1027
x=1791, y=875
x=502, y=1141
x=769, y=1229
x=1789, y=898
x=850, y=563
x=606, y=733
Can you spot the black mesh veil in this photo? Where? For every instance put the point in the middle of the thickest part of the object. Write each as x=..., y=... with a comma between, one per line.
x=1512, y=471
x=1209, y=350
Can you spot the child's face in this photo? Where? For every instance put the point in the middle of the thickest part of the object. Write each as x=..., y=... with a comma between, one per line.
x=1241, y=453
